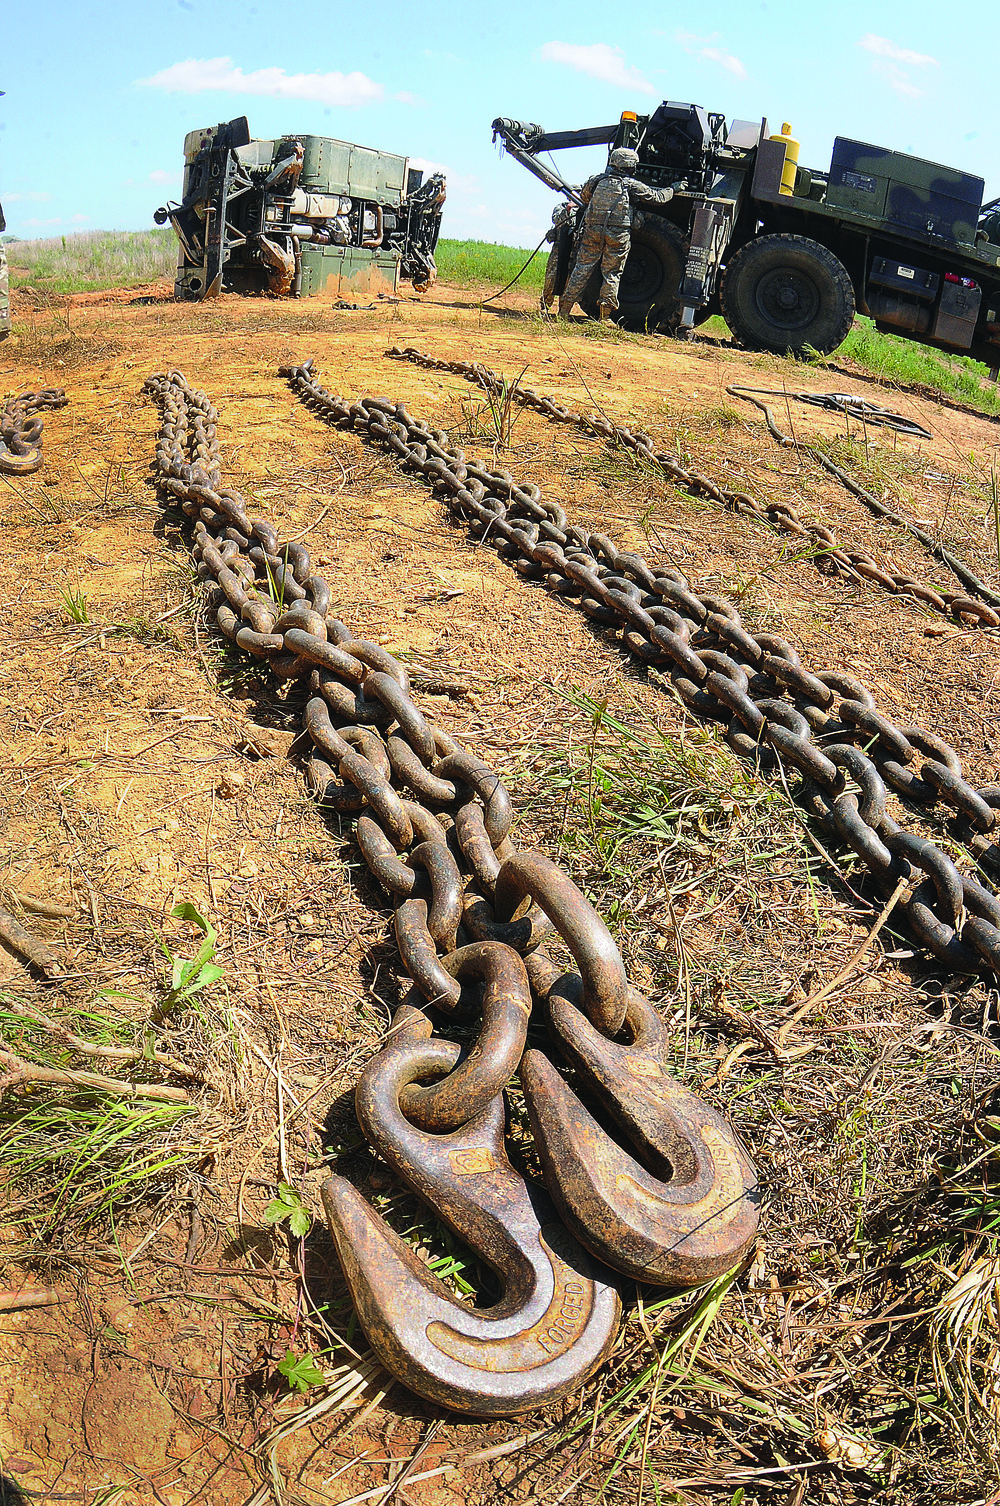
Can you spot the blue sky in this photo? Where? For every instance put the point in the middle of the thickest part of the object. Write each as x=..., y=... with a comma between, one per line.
x=101, y=94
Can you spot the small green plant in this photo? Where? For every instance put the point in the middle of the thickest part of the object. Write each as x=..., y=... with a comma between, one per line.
x=277, y=591
x=75, y=603
x=289, y=1206
x=301, y=1371
x=189, y=975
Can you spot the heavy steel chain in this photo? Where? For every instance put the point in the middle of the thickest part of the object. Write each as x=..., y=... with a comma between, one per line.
x=21, y=429
x=829, y=557
x=433, y=824
x=825, y=725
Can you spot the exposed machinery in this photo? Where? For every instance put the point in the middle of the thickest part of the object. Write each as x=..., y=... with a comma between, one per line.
x=785, y=253
x=299, y=215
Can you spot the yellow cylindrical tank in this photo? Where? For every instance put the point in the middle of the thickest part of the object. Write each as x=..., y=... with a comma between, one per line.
x=791, y=159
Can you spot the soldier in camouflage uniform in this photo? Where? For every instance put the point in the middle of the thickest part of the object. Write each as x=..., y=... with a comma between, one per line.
x=4, y=285
x=605, y=233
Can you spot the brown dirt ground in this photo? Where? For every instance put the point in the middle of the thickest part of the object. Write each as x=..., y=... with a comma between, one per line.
x=139, y=769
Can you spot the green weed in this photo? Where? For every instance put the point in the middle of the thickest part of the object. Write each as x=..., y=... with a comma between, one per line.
x=288, y=1206
x=75, y=603
x=301, y=1371
x=188, y=975
x=70, y=1158
x=648, y=799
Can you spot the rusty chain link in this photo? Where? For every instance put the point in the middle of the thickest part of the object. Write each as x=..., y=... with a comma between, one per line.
x=21, y=429
x=830, y=558
x=472, y=915
x=824, y=725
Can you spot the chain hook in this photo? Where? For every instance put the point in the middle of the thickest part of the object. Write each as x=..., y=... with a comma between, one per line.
x=558, y=1316
x=682, y=1229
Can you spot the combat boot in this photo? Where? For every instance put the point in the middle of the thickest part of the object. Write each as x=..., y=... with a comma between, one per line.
x=604, y=313
x=565, y=307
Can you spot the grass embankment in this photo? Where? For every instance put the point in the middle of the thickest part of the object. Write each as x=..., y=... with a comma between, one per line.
x=117, y=258
x=92, y=260
x=907, y=361
x=470, y=263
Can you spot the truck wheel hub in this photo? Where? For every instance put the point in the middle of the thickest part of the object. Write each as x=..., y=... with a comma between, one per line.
x=787, y=299
x=642, y=275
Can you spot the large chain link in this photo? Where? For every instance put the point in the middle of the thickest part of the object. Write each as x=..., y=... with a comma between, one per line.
x=830, y=557
x=825, y=725
x=432, y=818
x=21, y=429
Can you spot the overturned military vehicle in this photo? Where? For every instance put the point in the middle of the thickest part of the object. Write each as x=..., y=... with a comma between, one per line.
x=299, y=216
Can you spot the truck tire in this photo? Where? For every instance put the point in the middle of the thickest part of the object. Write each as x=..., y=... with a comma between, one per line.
x=783, y=293
x=647, y=295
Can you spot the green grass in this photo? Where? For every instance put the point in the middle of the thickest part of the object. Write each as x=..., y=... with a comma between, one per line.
x=92, y=260
x=904, y=361
x=73, y=1157
x=898, y=360
x=469, y=263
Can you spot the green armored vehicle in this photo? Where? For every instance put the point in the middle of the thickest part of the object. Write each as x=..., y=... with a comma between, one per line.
x=787, y=254
x=299, y=216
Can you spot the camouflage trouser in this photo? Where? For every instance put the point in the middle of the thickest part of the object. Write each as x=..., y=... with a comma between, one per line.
x=4, y=297
x=610, y=248
x=551, y=271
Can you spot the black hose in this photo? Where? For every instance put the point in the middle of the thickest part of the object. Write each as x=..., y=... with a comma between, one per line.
x=524, y=269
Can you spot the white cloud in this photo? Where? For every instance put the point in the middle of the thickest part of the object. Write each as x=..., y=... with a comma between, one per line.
x=79, y=219
x=883, y=48
x=897, y=80
x=701, y=47
x=164, y=176
x=598, y=61
x=42, y=224
x=26, y=198
x=891, y=63
x=406, y=98
x=198, y=75
x=457, y=182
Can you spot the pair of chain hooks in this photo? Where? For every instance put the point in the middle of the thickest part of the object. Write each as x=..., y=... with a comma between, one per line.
x=473, y=920
x=977, y=609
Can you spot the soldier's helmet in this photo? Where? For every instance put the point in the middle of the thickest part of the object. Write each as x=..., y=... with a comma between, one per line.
x=624, y=159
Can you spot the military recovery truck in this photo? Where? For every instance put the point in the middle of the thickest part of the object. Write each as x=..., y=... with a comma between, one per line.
x=787, y=254
x=299, y=215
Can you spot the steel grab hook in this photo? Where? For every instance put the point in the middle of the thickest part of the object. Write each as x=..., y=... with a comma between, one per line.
x=558, y=1315
x=679, y=1232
